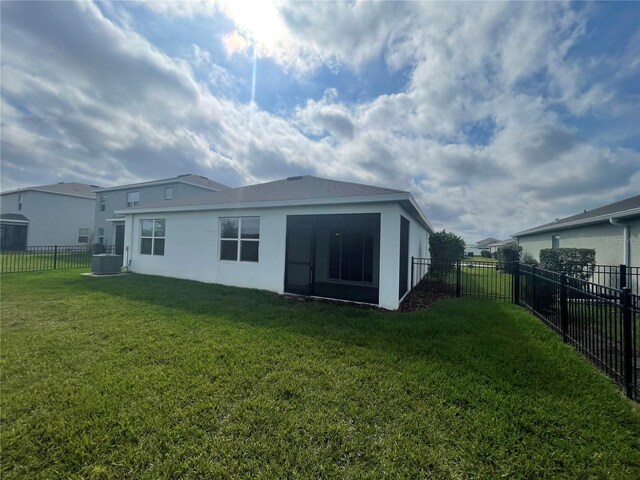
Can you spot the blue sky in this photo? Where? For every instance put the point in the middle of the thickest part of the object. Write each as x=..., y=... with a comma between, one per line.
x=496, y=116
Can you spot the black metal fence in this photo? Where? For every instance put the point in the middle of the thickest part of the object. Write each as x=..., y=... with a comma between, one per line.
x=464, y=278
x=615, y=276
x=56, y=257
x=599, y=316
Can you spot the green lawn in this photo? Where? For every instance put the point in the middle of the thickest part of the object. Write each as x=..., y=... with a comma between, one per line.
x=479, y=258
x=21, y=261
x=147, y=377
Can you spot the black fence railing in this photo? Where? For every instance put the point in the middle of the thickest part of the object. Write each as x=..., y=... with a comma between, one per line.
x=56, y=257
x=463, y=277
x=599, y=319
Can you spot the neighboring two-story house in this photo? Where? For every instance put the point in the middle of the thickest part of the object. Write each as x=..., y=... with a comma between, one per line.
x=58, y=214
x=109, y=228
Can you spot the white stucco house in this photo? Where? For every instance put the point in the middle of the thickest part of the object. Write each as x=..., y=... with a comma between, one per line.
x=301, y=235
x=109, y=227
x=493, y=247
x=57, y=214
x=612, y=230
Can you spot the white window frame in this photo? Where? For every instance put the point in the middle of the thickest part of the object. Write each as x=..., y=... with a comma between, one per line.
x=238, y=239
x=555, y=241
x=133, y=203
x=153, y=236
x=82, y=235
x=103, y=203
x=19, y=201
x=168, y=193
x=101, y=236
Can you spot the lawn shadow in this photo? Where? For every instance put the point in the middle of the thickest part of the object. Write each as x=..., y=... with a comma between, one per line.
x=487, y=342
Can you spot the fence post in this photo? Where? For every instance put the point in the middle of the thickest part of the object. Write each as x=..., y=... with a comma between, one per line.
x=516, y=283
x=623, y=276
x=533, y=288
x=55, y=256
x=412, y=273
x=627, y=342
x=564, y=314
x=458, y=289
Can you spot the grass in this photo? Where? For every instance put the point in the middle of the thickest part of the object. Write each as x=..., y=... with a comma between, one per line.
x=23, y=261
x=475, y=280
x=479, y=258
x=150, y=377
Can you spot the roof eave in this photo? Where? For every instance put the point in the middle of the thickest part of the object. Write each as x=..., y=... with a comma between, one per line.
x=153, y=183
x=578, y=223
x=380, y=198
x=31, y=189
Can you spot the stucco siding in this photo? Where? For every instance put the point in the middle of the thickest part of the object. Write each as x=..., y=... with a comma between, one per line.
x=117, y=200
x=418, y=240
x=53, y=219
x=606, y=239
x=193, y=241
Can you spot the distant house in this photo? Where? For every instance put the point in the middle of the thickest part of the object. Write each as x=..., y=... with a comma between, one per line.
x=493, y=247
x=57, y=214
x=485, y=242
x=612, y=230
x=109, y=227
x=300, y=235
x=472, y=249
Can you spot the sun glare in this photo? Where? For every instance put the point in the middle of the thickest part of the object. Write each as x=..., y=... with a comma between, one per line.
x=257, y=21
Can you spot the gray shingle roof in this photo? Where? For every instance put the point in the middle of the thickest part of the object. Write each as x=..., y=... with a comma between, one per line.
x=486, y=241
x=500, y=243
x=62, y=188
x=612, y=210
x=292, y=188
x=13, y=216
x=187, y=177
x=204, y=181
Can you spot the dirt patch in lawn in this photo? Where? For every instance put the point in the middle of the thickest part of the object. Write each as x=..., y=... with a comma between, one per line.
x=426, y=294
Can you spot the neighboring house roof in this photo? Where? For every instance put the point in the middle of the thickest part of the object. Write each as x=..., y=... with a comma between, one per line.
x=502, y=243
x=486, y=242
x=73, y=189
x=13, y=217
x=629, y=207
x=298, y=190
x=186, y=178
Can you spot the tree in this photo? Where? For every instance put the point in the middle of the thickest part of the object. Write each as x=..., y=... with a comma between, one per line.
x=445, y=247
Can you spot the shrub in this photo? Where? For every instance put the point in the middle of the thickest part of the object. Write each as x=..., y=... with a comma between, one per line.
x=495, y=255
x=445, y=247
x=529, y=259
x=486, y=254
x=576, y=262
x=509, y=253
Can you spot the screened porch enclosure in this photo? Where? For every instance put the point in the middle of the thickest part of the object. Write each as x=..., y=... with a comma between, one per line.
x=334, y=256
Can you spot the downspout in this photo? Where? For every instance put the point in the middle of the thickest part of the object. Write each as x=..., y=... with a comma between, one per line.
x=626, y=252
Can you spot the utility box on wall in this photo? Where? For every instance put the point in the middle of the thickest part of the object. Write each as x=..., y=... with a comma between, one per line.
x=105, y=264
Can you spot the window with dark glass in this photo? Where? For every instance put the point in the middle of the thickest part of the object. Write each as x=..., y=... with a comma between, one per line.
x=101, y=235
x=351, y=256
x=103, y=203
x=152, y=237
x=19, y=201
x=555, y=241
x=239, y=238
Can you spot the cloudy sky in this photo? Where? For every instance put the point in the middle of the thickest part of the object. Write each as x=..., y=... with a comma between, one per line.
x=496, y=116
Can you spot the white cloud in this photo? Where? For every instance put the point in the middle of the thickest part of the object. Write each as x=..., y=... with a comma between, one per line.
x=476, y=134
